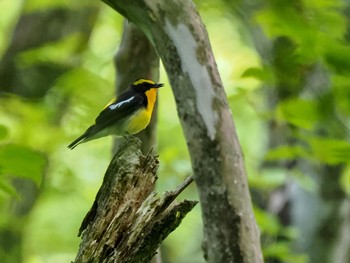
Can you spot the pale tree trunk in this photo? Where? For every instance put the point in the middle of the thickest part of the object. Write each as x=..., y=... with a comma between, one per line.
x=180, y=39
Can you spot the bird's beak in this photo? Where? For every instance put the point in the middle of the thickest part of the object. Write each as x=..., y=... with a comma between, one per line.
x=159, y=85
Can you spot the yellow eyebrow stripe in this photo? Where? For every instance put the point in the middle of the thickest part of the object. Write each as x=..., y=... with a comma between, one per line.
x=140, y=81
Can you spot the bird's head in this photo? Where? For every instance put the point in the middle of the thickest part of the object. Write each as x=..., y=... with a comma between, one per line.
x=142, y=85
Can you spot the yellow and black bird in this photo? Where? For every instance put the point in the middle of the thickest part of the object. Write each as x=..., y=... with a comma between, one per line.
x=125, y=115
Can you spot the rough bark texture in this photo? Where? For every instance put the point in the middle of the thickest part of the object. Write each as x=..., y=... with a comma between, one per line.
x=181, y=41
x=136, y=58
x=128, y=221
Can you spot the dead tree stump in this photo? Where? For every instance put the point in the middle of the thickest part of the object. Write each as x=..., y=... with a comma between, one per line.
x=128, y=220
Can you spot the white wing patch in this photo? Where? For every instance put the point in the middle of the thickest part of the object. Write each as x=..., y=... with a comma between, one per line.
x=119, y=104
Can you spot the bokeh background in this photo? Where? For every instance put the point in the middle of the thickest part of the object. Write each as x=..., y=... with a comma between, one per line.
x=285, y=67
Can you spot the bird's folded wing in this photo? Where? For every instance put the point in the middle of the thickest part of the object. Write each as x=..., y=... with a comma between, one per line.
x=118, y=110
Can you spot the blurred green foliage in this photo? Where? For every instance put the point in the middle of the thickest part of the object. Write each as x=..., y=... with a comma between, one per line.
x=22, y=162
x=34, y=133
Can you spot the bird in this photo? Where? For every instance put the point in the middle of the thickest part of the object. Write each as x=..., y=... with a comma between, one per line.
x=125, y=115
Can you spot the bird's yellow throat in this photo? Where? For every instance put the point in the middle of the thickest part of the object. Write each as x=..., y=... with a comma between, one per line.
x=151, y=98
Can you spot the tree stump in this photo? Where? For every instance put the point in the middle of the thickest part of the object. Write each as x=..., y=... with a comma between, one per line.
x=128, y=220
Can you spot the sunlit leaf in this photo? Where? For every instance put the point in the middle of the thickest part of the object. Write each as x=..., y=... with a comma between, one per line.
x=282, y=251
x=301, y=113
x=312, y=33
x=22, y=162
x=258, y=73
x=3, y=132
x=286, y=152
x=56, y=52
x=291, y=233
x=338, y=57
x=267, y=221
x=331, y=151
x=35, y=5
x=268, y=179
x=8, y=189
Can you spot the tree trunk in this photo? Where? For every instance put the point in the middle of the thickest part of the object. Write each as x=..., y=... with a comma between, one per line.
x=178, y=34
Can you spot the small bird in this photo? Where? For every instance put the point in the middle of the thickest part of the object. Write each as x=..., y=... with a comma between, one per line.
x=125, y=115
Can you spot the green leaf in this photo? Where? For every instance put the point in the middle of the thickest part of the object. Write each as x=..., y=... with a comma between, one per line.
x=338, y=57
x=258, y=73
x=58, y=52
x=292, y=233
x=8, y=189
x=39, y=5
x=282, y=251
x=301, y=113
x=3, y=132
x=268, y=179
x=331, y=151
x=22, y=162
x=267, y=222
x=286, y=152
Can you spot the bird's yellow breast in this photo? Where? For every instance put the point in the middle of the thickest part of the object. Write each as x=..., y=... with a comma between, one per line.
x=141, y=119
x=138, y=122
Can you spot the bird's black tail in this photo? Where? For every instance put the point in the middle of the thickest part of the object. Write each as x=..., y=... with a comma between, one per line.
x=81, y=138
x=77, y=141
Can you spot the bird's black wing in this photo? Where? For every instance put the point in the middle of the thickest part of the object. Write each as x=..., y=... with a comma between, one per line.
x=124, y=106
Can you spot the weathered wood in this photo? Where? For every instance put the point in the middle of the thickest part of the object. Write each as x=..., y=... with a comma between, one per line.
x=128, y=221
